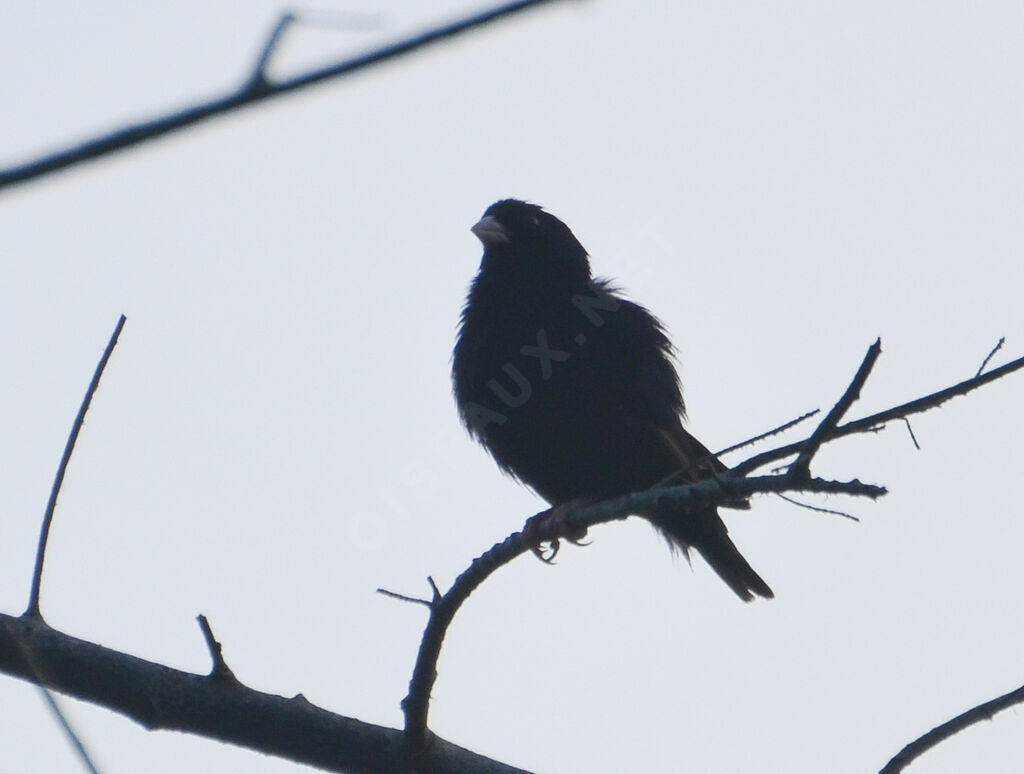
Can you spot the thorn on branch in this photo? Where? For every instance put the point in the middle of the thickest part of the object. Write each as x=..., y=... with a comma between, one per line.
x=220, y=670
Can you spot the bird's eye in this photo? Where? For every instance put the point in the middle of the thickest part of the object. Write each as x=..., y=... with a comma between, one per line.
x=535, y=220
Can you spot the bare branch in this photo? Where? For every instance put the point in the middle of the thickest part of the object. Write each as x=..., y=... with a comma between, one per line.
x=824, y=431
x=818, y=508
x=403, y=598
x=774, y=431
x=869, y=424
x=913, y=437
x=255, y=89
x=718, y=490
x=714, y=491
x=159, y=697
x=984, y=711
x=258, y=79
x=51, y=702
x=702, y=462
x=69, y=448
x=76, y=743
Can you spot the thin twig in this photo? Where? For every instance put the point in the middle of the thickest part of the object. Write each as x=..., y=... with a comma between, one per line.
x=921, y=745
x=913, y=437
x=220, y=670
x=403, y=598
x=258, y=78
x=825, y=430
x=76, y=742
x=36, y=673
x=69, y=448
x=869, y=424
x=250, y=92
x=996, y=348
x=681, y=476
x=775, y=431
x=818, y=508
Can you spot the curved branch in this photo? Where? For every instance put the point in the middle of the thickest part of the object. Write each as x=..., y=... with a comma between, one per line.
x=702, y=493
x=62, y=469
x=985, y=711
x=256, y=88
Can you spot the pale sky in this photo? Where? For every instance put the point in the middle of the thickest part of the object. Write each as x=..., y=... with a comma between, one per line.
x=275, y=436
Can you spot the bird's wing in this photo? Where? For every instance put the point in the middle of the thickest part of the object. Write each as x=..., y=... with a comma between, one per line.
x=636, y=366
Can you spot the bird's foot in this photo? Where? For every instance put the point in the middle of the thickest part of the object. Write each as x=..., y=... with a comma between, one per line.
x=543, y=531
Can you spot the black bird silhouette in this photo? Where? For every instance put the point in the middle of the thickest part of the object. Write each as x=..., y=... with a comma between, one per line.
x=571, y=387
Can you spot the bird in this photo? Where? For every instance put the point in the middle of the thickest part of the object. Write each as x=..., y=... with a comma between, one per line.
x=572, y=388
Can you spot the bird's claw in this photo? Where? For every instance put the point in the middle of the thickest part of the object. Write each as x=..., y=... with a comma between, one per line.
x=534, y=533
x=545, y=528
x=546, y=555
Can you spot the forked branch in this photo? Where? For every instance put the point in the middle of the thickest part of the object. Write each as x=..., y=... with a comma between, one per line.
x=255, y=88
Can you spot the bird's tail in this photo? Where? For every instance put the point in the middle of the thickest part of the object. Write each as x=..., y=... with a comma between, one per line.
x=706, y=532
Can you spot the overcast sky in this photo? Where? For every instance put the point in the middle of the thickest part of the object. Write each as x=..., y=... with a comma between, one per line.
x=275, y=436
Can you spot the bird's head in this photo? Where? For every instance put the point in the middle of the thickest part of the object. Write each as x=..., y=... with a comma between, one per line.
x=522, y=240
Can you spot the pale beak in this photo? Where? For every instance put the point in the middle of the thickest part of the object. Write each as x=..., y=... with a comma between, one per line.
x=489, y=231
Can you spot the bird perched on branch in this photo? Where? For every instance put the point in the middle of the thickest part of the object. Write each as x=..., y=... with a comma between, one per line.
x=571, y=387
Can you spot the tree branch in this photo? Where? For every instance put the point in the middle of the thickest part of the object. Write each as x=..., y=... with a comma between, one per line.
x=69, y=448
x=716, y=491
x=159, y=697
x=760, y=437
x=985, y=711
x=219, y=707
x=702, y=493
x=823, y=432
x=256, y=88
x=69, y=732
x=258, y=77
x=902, y=411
